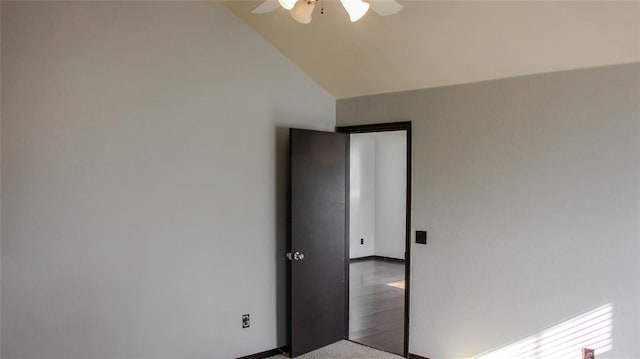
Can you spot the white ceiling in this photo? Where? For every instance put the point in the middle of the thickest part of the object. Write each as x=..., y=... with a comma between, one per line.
x=438, y=43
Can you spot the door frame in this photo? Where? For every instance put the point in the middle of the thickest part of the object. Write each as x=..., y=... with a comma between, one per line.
x=385, y=127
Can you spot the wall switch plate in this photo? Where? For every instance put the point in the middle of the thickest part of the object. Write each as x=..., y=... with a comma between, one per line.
x=588, y=353
x=246, y=321
x=421, y=237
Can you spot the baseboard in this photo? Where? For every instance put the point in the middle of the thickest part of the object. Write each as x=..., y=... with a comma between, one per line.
x=388, y=259
x=361, y=259
x=264, y=354
x=377, y=258
x=416, y=356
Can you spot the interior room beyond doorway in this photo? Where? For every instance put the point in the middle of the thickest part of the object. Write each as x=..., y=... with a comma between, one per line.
x=377, y=233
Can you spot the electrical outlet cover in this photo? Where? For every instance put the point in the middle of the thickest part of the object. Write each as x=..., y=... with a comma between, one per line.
x=588, y=353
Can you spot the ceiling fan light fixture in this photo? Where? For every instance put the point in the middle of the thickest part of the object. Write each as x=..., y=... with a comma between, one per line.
x=355, y=8
x=288, y=4
x=302, y=11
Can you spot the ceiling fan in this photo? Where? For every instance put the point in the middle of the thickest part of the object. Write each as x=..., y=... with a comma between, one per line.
x=301, y=10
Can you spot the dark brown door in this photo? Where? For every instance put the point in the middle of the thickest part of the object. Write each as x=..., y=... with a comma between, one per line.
x=318, y=301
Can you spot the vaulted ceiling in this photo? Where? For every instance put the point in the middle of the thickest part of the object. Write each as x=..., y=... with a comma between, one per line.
x=438, y=43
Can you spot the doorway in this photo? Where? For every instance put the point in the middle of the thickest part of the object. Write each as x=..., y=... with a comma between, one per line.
x=379, y=235
x=319, y=263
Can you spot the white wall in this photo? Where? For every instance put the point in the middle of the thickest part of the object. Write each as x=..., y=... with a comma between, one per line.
x=362, y=191
x=143, y=163
x=530, y=190
x=377, y=188
x=391, y=185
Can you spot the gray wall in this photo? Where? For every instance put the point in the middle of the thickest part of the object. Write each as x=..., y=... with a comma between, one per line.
x=0, y=179
x=142, y=207
x=530, y=190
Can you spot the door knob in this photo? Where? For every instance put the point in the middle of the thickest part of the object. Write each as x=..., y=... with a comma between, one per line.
x=297, y=256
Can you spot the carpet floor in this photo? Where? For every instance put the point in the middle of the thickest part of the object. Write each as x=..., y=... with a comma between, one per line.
x=345, y=350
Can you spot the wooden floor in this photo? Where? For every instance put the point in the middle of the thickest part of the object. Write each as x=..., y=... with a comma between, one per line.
x=376, y=309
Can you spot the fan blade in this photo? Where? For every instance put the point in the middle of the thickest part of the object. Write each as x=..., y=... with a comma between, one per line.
x=385, y=7
x=266, y=6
